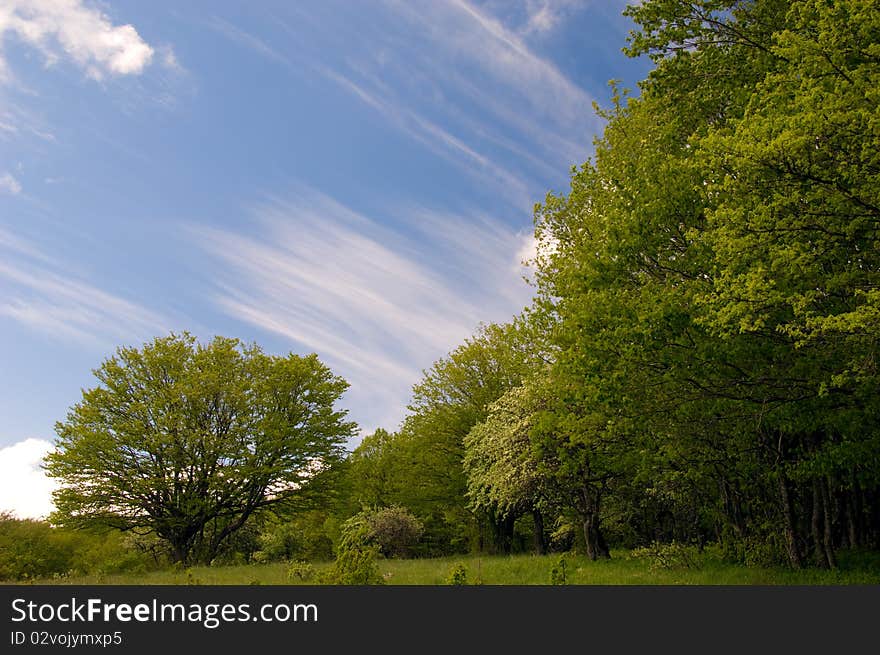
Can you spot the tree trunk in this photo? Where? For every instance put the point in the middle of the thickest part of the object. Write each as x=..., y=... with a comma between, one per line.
x=817, y=529
x=791, y=545
x=828, y=535
x=540, y=541
x=503, y=529
x=852, y=530
x=594, y=541
x=604, y=551
x=179, y=553
x=856, y=515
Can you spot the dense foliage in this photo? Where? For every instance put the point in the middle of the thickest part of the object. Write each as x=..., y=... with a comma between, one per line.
x=714, y=281
x=190, y=442
x=31, y=549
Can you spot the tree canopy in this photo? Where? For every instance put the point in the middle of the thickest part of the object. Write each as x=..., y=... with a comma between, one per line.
x=190, y=441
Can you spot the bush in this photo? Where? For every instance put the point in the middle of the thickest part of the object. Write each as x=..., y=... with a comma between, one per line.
x=355, y=565
x=106, y=553
x=394, y=530
x=34, y=549
x=355, y=562
x=562, y=538
x=672, y=555
x=457, y=575
x=300, y=570
x=755, y=551
x=304, y=537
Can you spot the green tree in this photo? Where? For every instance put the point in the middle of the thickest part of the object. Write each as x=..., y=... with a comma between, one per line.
x=374, y=471
x=503, y=474
x=453, y=396
x=192, y=441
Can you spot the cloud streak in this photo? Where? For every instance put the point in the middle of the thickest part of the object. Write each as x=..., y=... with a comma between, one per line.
x=465, y=32
x=378, y=304
x=36, y=293
x=448, y=75
x=247, y=40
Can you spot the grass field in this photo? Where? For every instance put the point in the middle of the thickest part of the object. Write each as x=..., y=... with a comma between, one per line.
x=622, y=569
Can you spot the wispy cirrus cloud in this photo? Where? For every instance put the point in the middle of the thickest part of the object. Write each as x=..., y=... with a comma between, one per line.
x=449, y=75
x=458, y=80
x=534, y=18
x=71, y=29
x=378, y=304
x=10, y=185
x=247, y=40
x=465, y=32
x=441, y=141
x=17, y=121
x=38, y=293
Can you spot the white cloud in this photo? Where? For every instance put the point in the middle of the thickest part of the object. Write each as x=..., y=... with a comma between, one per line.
x=25, y=489
x=9, y=184
x=542, y=16
x=58, y=304
x=377, y=304
x=70, y=28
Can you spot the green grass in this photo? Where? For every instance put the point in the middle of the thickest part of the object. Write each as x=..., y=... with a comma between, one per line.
x=622, y=569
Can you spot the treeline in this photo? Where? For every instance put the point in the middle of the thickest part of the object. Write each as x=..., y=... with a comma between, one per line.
x=701, y=362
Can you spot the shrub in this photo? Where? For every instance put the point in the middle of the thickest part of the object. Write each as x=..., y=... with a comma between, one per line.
x=394, y=530
x=355, y=562
x=563, y=536
x=557, y=572
x=354, y=565
x=300, y=570
x=107, y=552
x=672, y=555
x=34, y=549
x=457, y=575
x=755, y=551
x=304, y=537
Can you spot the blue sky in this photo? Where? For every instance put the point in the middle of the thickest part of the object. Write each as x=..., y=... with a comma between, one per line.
x=349, y=178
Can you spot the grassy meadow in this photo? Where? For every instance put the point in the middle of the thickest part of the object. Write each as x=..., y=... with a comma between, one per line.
x=622, y=569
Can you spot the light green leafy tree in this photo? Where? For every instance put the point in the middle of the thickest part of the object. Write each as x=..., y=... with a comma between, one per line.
x=452, y=397
x=191, y=441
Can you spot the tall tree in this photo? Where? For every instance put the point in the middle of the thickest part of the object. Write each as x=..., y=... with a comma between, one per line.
x=191, y=441
x=504, y=478
x=453, y=396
